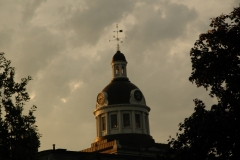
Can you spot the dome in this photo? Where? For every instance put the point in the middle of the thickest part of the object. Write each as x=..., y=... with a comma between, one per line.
x=119, y=91
x=119, y=57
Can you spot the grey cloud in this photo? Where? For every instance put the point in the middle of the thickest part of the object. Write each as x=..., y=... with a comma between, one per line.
x=29, y=8
x=166, y=23
x=62, y=71
x=37, y=49
x=6, y=37
x=88, y=25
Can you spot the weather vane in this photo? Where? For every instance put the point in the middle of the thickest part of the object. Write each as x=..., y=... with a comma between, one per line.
x=116, y=38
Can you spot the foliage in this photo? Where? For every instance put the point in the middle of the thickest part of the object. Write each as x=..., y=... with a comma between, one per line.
x=19, y=138
x=214, y=133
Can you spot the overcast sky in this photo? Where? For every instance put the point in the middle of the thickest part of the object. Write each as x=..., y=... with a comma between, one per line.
x=64, y=46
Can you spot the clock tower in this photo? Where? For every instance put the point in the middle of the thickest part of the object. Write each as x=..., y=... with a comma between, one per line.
x=121, y=108
x=122, y=117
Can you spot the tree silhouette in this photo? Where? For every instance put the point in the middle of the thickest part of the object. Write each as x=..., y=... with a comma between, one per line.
x=214, y=133
x=19, y=138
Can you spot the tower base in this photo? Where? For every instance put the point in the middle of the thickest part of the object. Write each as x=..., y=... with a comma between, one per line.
x=128, y=144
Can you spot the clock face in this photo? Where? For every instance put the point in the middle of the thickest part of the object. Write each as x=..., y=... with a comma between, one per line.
x=138, y=95
x=100, y=98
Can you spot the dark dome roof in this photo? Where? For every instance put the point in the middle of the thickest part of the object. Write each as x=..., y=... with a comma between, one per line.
x=119, y=57
x=119, y=91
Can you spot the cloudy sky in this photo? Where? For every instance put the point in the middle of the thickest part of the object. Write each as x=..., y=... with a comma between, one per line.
x=64, y=46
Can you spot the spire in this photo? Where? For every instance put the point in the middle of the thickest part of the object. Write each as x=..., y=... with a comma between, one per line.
x=116, y=38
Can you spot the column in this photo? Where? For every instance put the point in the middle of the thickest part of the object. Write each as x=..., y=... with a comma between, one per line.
x=107, y=123
x=113, y=71
x=99, y=125
x=143, y=123
x=125, y=70
x=148, y=126
x=133, y=122
x=119, y=122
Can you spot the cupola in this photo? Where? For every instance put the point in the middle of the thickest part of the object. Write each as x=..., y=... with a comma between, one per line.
x=119, y=65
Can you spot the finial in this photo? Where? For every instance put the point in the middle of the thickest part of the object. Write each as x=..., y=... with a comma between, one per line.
x=117, y=39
